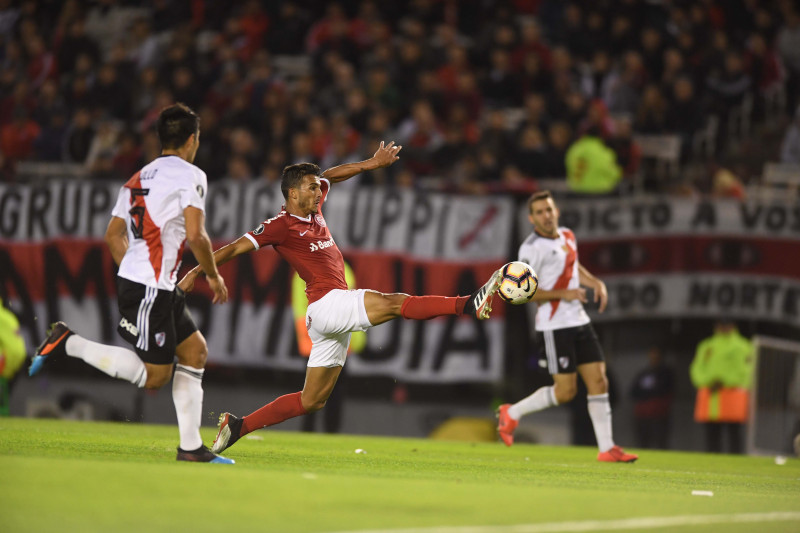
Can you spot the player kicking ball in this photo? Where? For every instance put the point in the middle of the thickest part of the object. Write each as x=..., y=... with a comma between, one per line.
x=569, y=340
x=301, y=236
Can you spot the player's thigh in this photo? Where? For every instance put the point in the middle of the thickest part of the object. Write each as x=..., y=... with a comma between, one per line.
x=191, y=348
x=565, y=386
x=383, y=307
x=594, y=376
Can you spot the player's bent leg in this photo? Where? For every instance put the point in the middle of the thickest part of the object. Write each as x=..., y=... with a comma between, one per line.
x=594, y=376
x=157, y=375
x=318, y=387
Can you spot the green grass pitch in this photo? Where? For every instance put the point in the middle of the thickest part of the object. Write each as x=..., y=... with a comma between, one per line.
x=83, y=476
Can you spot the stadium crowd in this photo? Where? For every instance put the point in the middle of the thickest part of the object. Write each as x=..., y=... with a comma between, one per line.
x=483, y=94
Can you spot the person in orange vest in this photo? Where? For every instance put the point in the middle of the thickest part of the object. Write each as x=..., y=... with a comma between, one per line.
x=722, y=371
x=358, y=340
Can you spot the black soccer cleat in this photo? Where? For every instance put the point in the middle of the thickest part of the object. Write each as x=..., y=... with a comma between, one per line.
x=203, y=455
x=230, y=429
x=54, y=345
x=480, y=302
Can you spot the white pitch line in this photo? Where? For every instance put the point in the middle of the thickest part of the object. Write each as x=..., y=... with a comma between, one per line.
x=647, y=522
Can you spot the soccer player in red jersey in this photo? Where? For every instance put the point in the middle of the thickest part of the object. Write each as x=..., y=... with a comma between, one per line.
x=301, y=236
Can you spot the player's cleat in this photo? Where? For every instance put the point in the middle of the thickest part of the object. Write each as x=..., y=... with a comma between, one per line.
x=480, y=302
x=203, y=455
x=506, y=425
x=229, y=432
x=616, y=455
x=53, y=346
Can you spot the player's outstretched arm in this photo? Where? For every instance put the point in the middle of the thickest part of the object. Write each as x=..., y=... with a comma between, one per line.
x=383, y=157
x=587, y=279
x=223, y=255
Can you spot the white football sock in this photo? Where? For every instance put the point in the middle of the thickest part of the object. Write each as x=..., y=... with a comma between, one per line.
x=600, y=412
x=115, y=361
x=187, y=394
x=543, y=398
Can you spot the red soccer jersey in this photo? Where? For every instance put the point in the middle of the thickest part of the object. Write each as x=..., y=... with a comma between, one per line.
x=307, y=244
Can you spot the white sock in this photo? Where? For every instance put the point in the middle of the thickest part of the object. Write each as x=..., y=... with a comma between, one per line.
x=543, y=398
x=600, y=412
x=187, y=394
x=115, y=361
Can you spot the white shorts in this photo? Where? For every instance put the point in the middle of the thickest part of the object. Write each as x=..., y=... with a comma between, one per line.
x=330, y=320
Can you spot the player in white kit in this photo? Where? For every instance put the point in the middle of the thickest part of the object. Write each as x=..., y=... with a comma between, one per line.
x=157, y=209
x=570, y=342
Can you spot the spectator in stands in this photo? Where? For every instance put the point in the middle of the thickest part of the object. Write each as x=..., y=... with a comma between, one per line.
x=628, y=152
x=651, y=116
x=685, y=115
x=592, y=166
x=788, y=42
x=17, y=137
x=558, y=137
x=790, y=146
x=652, y=391
x=530, y=155
x=722, y=372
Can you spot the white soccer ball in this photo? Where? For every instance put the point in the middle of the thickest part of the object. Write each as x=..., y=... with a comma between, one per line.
x=519, y=283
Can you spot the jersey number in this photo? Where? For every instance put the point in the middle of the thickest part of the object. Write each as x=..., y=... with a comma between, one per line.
x=137, y=213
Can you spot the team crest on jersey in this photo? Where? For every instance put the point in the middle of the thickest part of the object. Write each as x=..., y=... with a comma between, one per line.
x=563, y=361
x=200, y=190
x=259, y=230
x=160, y=338
x=320, y=220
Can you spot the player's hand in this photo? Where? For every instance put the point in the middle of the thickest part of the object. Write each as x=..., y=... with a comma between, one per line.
x=601, y=296
x=576, y=294
x=386, y=155
x=217, y=285
x=187, y=283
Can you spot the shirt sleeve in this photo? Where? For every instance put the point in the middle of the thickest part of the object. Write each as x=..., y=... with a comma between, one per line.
x=123, y=204
x=194, y=194
x=271, y=232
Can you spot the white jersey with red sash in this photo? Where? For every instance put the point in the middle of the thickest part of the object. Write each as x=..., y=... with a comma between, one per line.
x=555, y=261
x=152, y=204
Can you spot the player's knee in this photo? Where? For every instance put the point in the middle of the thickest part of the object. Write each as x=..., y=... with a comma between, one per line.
x=597, y=385
x=157, y=378
x=565, y=393
x=313, y=405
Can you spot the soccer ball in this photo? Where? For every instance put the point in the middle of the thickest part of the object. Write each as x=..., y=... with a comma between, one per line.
x=519, y=283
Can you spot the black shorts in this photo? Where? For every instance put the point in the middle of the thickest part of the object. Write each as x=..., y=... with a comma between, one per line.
x=565, y=349
x=154, y=321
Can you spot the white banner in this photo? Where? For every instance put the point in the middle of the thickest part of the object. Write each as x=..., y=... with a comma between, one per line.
x=606, y=219
x=372, y=219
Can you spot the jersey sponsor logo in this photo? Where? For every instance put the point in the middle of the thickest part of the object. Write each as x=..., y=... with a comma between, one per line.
x=321, y=245
x=127, y=326
x=320, y=220
x=303, y=232
x=160, y=338
x=200, y=191
x=259, y=230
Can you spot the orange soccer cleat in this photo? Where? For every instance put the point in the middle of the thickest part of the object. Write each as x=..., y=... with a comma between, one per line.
x=616, y=455
x=506, y=425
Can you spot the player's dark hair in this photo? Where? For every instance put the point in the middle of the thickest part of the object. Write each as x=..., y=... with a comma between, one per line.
x=176, y=124
x=293, y=175
x=535, y=197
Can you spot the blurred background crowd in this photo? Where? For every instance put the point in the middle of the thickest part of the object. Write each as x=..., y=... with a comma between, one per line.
x=670, y=96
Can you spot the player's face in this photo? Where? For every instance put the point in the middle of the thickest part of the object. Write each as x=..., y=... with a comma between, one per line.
x=544, y=217
x=309, y=194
